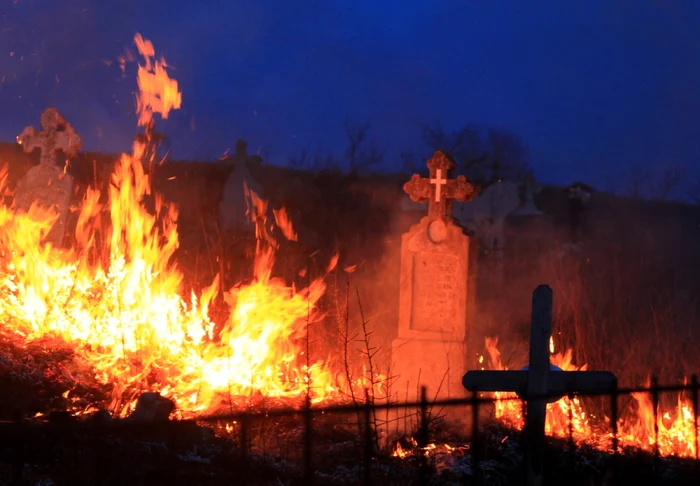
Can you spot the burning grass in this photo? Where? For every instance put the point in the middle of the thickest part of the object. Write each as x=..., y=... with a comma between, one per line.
x=672, y=430
x=94, y=326
x=120, y=308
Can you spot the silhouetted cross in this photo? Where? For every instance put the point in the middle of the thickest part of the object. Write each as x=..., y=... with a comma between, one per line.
x=440, y=192
x=539, y=382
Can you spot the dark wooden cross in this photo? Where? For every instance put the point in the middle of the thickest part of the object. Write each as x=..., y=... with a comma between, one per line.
x=439, y=190
x=538, y=383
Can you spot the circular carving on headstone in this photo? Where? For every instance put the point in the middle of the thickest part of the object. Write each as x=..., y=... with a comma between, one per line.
x=437, y=231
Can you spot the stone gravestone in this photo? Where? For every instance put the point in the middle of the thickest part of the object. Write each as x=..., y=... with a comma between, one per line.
x=233, y=209
x=485, y=216
x=528, y=206
x=539, y=383
x=430, y=348
x=47, y=184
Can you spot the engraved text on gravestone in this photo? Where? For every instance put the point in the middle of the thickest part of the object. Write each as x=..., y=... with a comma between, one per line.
x=435, y=291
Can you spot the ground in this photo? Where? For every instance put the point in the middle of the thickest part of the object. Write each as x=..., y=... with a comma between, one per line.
x=43, y=443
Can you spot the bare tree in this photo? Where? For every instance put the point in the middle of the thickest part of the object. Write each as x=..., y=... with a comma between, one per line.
x=362, y=153
x=507, y=157
x=660, y=183
x=315, y=162
x=464, y=144
x=694, y=191
x=486, y=156
x=668, y=182
x=638, y=180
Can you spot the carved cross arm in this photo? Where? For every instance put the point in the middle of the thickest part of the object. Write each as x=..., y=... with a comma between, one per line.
x=462, y=190
x=418, y=189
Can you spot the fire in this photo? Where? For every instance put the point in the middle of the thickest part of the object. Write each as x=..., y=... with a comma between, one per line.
x=120, y=307
x=410, y=447
x=676, y=435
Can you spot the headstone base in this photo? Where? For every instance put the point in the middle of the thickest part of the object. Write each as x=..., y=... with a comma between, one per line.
x=49, y=187
x=437, y=365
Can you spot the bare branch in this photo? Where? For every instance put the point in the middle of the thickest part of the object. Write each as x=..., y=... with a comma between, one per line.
x=362, y=153
x=485, y=156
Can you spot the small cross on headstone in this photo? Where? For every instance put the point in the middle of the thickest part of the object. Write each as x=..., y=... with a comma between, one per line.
x=539, y=382
x=439, y=192
x=438, y=181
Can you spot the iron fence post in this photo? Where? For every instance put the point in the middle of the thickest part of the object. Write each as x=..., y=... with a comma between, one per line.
x=476, y=445
x=368, y=453
x=570, y=418
x=694, y=386
x=613, y=422
x=423, y=437
x=308, y=439
x=244, y=448
x=18, y=452
x=655, y=404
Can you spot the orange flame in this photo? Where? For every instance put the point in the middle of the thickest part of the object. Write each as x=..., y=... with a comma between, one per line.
x=158, y=93
x=676, y=435
x=121, y=308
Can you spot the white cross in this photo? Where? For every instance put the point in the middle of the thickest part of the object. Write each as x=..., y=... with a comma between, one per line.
x=439, y=182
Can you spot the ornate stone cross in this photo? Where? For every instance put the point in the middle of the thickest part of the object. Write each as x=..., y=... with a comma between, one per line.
x=46, y=184
x=56, y=135
x=439, y=190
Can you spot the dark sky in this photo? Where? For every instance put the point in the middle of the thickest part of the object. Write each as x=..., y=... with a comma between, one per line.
x=592, y=86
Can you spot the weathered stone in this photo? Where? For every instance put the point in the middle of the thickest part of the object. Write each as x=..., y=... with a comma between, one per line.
x=430, y=349
x=528, y=206
x=234, y=207
x=485, y=217
x=48, y=187
x=46, y=184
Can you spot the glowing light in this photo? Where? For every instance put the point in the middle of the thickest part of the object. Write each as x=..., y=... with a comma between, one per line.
x=120, y=305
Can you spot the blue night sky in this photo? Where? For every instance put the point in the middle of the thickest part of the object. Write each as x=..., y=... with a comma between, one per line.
x=591, y=86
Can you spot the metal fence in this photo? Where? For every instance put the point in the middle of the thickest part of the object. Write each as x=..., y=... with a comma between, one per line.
x=307, y=417
x=471, y=405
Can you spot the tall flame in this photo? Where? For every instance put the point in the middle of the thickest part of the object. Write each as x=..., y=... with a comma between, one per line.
x=158, y=93
x=121, y=308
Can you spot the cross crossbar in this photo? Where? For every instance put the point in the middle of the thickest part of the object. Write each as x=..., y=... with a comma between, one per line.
x=559, y=383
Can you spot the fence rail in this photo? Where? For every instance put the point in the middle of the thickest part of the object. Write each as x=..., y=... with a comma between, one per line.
x=308, y=413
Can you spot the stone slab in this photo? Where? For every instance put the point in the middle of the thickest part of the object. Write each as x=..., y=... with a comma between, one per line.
x=48, y=187
x=438, y=365
x=433, y=284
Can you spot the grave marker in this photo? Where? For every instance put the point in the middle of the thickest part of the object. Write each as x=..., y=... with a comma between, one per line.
x=233, y=209
x=46, y=183
x=539, y=382
x=528, y=206
x=430, y=347
x=485, y=216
